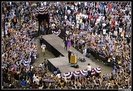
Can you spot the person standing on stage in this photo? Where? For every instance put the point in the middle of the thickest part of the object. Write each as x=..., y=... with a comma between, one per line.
x=65, y=42
x=69, y=54
x=69, y=43
x=41, y=40
x=89, y=70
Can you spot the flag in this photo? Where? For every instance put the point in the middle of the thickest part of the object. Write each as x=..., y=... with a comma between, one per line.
x=41, y=10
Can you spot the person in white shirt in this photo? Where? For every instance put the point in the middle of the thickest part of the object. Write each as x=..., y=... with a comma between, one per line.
x=35, y=79
x=89, y=70
x=41, y=66
x=58, y=75
x=43, y=46
x=84, y=52
x=104, y=31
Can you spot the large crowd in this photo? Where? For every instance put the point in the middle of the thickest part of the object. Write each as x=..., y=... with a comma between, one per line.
x=104, y=27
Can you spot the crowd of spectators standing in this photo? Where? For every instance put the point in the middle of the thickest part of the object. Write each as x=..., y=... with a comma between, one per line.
x=102, y=29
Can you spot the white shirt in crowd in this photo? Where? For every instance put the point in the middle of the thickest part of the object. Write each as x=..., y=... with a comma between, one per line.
x=43, y=46
x=85, y=3
x=104, y=31
x=89, y=68
x=115, y=33
x=120, y=30
x=72, y=7
x=116, y=23
x=45, y=3
x=41, y=65
x=53, y=25
x=35, y=79
x=27, y=4
x=58, y=75
x=65, y=17
x=84, y=51
x=104, y=24
x=68, y=11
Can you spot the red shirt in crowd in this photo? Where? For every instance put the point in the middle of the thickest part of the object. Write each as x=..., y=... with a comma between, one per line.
x=90, y=16
x=109, y=7
x=113, y=22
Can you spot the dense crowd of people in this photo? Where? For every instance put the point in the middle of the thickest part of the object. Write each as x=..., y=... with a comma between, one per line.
x=103, y=27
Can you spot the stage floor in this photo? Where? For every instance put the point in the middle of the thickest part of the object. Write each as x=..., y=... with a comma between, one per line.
x=62, y=62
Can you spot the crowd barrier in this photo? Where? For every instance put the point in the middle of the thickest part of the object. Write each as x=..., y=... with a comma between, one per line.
x=97, y=55
x=81, y=73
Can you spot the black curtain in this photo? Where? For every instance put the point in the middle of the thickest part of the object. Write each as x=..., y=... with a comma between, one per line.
x=41, y=18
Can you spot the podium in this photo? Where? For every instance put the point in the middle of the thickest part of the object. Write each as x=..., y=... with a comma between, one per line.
x=73, y=59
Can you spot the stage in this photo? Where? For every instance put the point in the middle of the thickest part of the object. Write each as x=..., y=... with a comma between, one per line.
x=56, y=46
